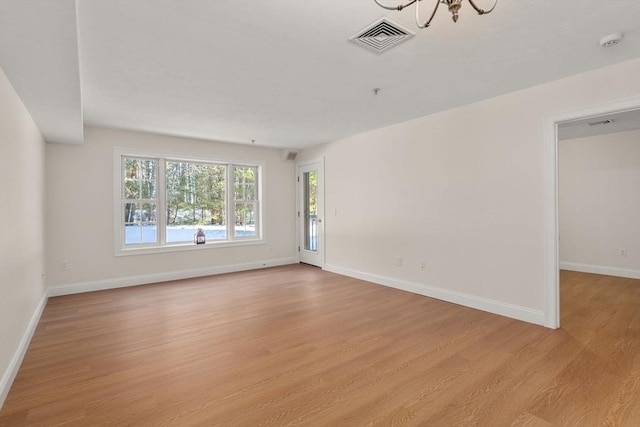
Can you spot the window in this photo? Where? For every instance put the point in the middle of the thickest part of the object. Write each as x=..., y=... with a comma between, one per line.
x=245, y=203
x=195, y=199
x=162, y=202
x=140, y=201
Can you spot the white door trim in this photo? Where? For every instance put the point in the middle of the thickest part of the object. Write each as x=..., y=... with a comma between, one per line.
x=550, y=197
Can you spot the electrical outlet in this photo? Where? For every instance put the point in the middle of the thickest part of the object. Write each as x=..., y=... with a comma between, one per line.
x=423, y=265
x=399, y=261
x=64, y=265
x=623, y=252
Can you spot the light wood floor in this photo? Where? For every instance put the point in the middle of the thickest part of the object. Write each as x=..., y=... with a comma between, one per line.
x=298, y=346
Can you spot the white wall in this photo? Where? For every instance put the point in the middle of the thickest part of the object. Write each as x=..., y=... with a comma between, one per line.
x=22, y=289
x=461, y=190
x=599, y=203
x=79, y=219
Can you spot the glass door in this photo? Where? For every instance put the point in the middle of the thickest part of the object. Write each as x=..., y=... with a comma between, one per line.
x=310, y=208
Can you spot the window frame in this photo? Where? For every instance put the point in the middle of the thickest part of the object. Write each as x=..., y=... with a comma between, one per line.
x=140, y=200
x=161, y=244
x=234, y=201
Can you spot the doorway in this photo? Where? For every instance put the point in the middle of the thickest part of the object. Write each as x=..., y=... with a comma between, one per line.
x=550, y=197
x=310, y=189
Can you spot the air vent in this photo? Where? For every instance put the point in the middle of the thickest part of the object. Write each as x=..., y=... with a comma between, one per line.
x=381, y=36
x=289, y=154
x=601, y=122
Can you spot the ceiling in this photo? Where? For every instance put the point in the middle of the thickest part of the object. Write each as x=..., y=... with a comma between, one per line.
x=282, y=72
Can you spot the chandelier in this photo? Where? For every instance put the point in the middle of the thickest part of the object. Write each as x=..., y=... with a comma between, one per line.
x=454, y=7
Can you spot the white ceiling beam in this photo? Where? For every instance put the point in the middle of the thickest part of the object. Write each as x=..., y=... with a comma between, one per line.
x=39, y=55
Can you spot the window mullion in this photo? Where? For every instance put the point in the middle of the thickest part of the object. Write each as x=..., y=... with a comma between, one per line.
x=230, y=199
x=161, y=216
x=256, y=202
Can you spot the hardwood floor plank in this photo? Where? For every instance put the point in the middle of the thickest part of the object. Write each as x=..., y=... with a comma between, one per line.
x=295, y=345
x=528, y=420
x=625, y=409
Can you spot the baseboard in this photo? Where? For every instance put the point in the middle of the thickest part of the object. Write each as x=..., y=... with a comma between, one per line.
x=12, y=370
x=600, y=269
x=122, y=282
x=496, y=307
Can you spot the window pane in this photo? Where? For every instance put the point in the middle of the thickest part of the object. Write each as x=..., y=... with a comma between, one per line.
x=195, y=199
x=250, y=193
x=245, y=219
x=148, y=189
x=249, y=175
x=244, y=182
x=238, y=192
x=140, y=233
x=140, y=223
x=310, y=190
x=148, y=179
x=129, y=211
x=131, y=179
x=132, y=190
x=148, y=213
x=139, y=179
x=131, y=169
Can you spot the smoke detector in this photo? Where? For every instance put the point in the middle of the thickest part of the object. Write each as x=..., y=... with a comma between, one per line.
x=610, y=40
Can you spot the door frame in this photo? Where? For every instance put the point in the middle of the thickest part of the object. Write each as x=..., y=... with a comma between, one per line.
x=321, y=208
x=550, y=197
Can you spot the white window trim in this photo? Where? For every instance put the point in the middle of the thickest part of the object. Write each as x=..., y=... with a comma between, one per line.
x=120, y=249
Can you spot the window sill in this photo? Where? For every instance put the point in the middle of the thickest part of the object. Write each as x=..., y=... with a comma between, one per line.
x=181, y=247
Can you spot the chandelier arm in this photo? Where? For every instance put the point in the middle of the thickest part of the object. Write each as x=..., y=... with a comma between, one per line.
x=428, y=21
x=482, y=11
x=398, y=7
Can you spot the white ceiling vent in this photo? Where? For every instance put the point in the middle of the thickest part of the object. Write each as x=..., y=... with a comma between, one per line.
x=381, y=36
